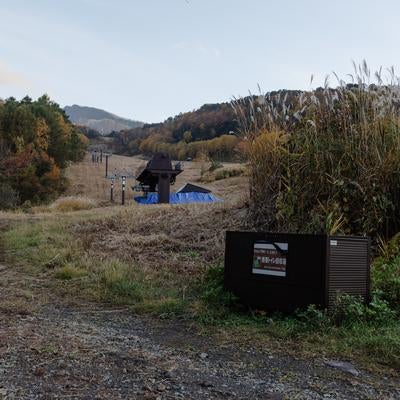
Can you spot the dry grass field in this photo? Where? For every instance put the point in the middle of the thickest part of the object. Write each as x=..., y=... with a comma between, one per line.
x=159, y=240
x=109, y=299
x=88, y=179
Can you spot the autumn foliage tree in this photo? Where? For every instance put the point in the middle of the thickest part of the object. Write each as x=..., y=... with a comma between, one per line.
x=36, y=143
x=208, y=130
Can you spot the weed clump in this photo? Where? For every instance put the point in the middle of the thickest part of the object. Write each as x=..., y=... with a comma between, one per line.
x=350, y=310
x=68, y=272
x=119, y=284
x=72, y=203
x=228, y=173
x=385, y=273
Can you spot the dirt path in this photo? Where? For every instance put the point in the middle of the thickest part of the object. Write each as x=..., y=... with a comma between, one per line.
x=50, y=349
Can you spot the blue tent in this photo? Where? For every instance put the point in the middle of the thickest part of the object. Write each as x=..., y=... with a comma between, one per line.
x=179, y=198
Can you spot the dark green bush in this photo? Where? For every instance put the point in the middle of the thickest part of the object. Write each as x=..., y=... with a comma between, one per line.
x=312, y=318
x=228, y=173
x=350, y=310
x=213, y=291
x=9, y=198
x=386, y=281
x=215, y=164
x=126, y=289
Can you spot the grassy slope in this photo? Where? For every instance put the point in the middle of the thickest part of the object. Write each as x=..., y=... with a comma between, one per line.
x=166, y=260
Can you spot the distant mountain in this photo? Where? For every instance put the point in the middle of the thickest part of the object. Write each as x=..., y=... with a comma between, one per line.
x=100, y=120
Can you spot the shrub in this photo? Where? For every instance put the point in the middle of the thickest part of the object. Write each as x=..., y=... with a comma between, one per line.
x=385, y=272
x=386, y=281
x=312, y=318
x=72, y=203
x=70, y=272
x=350, y=310
x=215, y=164
x=26, y=206
x=9, y=198
x=228, y=173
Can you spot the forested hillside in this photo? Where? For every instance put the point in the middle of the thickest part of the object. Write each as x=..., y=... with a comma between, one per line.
x=208, y=130
x=211, y=130
x=37, y=141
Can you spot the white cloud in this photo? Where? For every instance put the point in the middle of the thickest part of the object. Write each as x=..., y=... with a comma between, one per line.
x=209, y=51
x=180, y=45
x=216, y=52
x=198, y=47
x=11, y=78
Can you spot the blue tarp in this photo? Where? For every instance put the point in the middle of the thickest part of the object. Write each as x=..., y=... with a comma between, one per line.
x=179, y=198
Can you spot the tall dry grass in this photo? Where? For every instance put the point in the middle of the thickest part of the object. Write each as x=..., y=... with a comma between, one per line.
x=327, y=160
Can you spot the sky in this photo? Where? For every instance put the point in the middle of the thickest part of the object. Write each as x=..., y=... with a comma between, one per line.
x=152, y=59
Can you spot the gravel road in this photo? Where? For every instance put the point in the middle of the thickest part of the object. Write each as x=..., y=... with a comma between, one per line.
x=51, y=348
x=63, y=352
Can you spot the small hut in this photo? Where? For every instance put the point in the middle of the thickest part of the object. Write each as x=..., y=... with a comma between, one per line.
x=155, y=181
x=158, y=176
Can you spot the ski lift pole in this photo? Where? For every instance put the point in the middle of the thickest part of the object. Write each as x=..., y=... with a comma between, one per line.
x=123, y=189
x=112, y=191
x=107, y=156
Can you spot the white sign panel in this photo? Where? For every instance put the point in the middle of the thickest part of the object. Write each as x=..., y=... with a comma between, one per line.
x=270, y=258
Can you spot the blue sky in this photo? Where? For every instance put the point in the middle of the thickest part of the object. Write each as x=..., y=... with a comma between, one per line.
x=151, y=59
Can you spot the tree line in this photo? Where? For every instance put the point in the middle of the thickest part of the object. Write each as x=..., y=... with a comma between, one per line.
x=208, y=131
x=37, y=141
